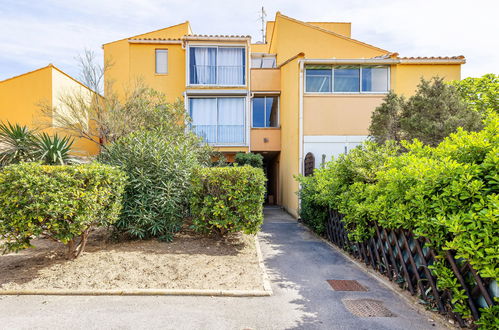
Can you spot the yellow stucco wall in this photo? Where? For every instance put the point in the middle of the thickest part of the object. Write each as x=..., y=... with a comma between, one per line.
x=291, y=37
x=339, y=114
x=289, y=115
x=129, y=63
x=406, y=77
x=265, y=139
x=64, y=86
x=265, y=79
x=21, y=96
x=143, y=67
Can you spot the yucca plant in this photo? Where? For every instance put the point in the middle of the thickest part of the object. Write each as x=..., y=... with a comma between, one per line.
x=53, y=150
x=17, y=144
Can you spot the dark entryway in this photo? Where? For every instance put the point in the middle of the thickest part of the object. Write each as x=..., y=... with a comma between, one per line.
x=271, y=169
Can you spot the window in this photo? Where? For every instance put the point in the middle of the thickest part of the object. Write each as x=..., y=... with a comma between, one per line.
x=318, y=79
x=347, y=79
x=375, y=79
x=217, y=66
x=161, y=61
x=265, y=111
x=219, y=120
x=259, y=61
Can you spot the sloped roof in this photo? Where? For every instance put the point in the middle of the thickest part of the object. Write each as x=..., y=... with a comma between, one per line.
x=49, y=66
x=278, y=14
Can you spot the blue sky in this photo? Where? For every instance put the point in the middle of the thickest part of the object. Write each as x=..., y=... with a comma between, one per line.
x=37, y=32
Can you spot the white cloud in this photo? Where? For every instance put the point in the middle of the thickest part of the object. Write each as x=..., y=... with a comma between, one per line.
x=36, y=33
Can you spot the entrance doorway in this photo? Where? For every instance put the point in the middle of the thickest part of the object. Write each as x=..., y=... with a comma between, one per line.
x=271, y=169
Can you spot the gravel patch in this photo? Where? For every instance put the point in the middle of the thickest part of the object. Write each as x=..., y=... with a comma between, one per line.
x=191, y=261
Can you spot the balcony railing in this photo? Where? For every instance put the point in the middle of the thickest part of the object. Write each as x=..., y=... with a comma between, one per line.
x=225, y=75
x=221, y=134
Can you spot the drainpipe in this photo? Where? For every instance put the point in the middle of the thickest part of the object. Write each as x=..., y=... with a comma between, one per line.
x=300, y=129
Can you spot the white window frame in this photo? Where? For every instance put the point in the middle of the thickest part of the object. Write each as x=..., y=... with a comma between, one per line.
x=388, y=72
x=188, y=64
x=165, y=50
x=265, y=109
x=216, y=144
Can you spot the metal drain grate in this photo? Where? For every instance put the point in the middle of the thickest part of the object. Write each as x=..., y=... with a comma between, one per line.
x=367, y=308
x=346, y=285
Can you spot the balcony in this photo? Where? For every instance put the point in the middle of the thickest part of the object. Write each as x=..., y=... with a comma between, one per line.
x=266, y=139
x=265, y=80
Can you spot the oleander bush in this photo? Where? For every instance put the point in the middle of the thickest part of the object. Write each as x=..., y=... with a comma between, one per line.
x=62, y=202
x=227, y=199
x=448, y=194
x=159, y=166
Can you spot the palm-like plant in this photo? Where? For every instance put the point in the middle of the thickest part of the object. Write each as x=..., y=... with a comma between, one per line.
x=16, y=144
x=53, y=150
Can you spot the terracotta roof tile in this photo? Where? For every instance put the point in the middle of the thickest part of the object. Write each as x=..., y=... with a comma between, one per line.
x=460, y=57
x=156, y=39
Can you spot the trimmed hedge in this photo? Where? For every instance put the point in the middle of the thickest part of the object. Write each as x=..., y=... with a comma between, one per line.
x=448, y=194
x=228, y=199
x=61, y=202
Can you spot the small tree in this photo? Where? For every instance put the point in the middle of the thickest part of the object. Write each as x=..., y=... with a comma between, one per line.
x=431, y=114
x=385, y=120
x=89, y=115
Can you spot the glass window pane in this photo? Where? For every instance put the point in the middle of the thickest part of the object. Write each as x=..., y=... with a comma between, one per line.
x=346, y=79
x=258, y=112
x=230, y=64
x=231, y=120
x=256, y=62
x=375, y=79
x=269, y=62
x=271, y=105
x=203, y=65
x=204, y=118
x=318, y=80
x=161, y=61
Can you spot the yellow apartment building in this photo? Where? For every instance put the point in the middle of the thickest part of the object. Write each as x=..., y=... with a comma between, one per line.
x=307, y=92
x=21, y=99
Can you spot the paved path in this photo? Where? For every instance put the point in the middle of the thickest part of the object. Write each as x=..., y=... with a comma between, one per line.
x=299, y=265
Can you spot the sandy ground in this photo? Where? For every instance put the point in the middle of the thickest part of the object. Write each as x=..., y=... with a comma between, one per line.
x=189, y=262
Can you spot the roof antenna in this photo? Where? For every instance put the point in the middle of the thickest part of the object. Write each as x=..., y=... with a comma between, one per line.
x=263, y=15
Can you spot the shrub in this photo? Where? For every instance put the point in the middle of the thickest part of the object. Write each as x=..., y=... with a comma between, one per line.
x=157, y=195
x=255, y=160
x=61, y=202
x=448, y=194
x=228, y=199
x=19, y=144
x=311, y=213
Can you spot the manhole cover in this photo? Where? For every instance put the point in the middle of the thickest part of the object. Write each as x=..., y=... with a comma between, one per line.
x=367, y=308
x=346, y=285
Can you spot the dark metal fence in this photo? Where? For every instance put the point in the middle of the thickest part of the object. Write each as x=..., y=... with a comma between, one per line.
x=404, y=259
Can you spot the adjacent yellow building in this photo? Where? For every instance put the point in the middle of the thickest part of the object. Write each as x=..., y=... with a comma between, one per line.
x=23, y=96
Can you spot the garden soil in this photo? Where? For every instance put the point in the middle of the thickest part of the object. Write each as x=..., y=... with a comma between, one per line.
x=191, y=261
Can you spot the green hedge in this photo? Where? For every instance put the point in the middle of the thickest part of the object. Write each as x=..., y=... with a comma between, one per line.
x=228, y=199
x=62, y=202
x=448, y=194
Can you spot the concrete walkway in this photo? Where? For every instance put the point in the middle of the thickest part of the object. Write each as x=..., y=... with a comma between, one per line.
x=299, y=265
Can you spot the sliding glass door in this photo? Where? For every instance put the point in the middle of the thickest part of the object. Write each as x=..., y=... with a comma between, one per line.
x=219, y=120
